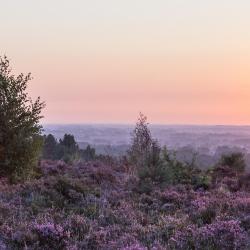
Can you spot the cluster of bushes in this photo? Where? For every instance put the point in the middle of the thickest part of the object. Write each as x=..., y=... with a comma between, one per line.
x=155, y=165
x=66, y=149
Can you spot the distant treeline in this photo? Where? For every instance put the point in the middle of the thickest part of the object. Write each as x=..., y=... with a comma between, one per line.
x=66, y=149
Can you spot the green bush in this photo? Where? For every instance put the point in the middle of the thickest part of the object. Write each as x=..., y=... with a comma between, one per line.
x=202, y=180
x=155, y=164
x=235, y=161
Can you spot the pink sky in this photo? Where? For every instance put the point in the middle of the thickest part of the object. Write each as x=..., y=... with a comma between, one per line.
x=104, y=61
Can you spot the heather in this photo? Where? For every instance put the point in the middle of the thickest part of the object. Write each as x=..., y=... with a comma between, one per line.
x=95, y=205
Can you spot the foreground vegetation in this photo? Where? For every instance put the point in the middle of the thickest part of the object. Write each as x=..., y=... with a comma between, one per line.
x=97, y=205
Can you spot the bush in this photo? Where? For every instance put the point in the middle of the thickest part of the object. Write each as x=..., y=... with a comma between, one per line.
x=20, y=132
x=154, y=164
x=51, y=235
x=235, y=161
x=201, y=181
x=220, y=235
x=204, y=216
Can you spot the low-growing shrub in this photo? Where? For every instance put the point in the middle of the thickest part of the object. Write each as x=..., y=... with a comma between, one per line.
x=51, y=235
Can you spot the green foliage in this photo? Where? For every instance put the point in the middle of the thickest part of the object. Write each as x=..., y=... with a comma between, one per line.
x=49, y=147
x=155, y=165
x=88, y=154
x=202, y=180
x=176, y=172
x=69, y=143
x=20, y=132
x=66, y=149
x=235, y=161
x=204, y=216
x=145, y=151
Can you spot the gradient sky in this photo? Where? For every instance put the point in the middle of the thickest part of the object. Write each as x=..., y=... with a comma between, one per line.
x=178, y=61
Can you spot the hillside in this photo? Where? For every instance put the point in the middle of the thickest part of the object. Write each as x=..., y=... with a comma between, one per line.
x=100, y=205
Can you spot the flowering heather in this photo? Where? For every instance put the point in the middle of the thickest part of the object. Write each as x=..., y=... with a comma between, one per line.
x=96, y=206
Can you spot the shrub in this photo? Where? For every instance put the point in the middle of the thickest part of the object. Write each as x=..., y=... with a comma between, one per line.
x=221, y=235
x=174, y=172
x=235, y=161
x=154, y=164
x=77, y=226
x=51, y=235
x=244, y=182
x=204, y=216
x=202, y=180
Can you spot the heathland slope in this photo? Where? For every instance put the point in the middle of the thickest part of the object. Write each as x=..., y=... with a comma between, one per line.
x=102, y=205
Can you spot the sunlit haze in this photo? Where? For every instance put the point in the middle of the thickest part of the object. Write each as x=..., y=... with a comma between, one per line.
x=178, y=61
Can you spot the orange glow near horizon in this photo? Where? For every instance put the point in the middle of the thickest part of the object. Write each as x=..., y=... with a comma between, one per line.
x=179, y=63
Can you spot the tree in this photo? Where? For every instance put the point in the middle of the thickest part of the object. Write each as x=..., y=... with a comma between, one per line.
x=88, y=154
x=50, y=147
x=68, y=149
x=20, y=131
x=69, y=143
x=145, y=151
x=153, y=164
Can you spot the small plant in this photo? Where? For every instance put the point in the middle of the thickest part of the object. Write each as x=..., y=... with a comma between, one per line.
x=51, y=235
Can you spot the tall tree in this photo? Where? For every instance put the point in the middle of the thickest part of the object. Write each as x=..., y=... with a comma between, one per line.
x=20, y=131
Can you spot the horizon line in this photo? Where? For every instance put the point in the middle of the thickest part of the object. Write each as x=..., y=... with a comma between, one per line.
x=133, y=124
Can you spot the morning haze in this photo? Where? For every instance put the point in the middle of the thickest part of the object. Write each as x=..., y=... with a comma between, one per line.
x=180, y=62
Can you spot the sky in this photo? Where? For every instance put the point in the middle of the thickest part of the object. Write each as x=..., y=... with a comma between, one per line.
x=96, y=61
